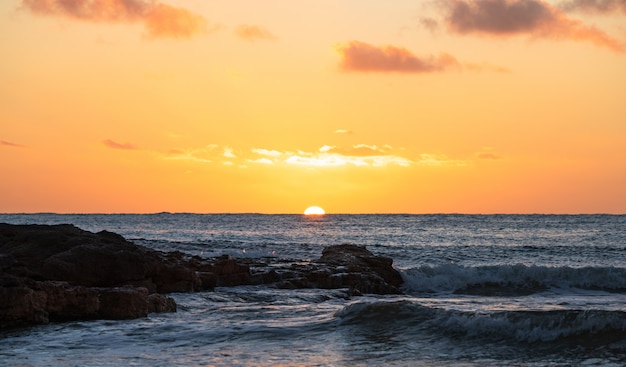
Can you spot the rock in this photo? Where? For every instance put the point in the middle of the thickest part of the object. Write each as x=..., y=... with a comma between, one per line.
x=356, y=258
x=65, y=302
x=229, y=272
x=22, y=306
x=123, y=303
x=174, y=277
x=67, y=253
x=160, y=303
x=61, y=272
x=340, y=266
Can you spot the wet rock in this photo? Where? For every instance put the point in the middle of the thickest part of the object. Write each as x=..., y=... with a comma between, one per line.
x=340, y=266
x=123, y=303
x=65, y=302
x=67, y=253
x=229, y=272
x=60, y=272
x=357, y=259
x=21, y=305
x=160, y=303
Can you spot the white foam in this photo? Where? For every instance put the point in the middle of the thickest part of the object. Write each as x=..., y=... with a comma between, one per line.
x=452, y=277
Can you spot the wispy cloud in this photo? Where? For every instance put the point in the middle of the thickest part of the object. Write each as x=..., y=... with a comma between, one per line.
x=343, y=131
x=164, y=21
x=115, y=145
x=488, y=155
x=267, y=152
x=594, y=6
x=10, y=144
x=363, y=57
x=360, y=155
x=427, y=159
x=536, y=18
x=253, y=33
x=160, y=20
x=327, y=156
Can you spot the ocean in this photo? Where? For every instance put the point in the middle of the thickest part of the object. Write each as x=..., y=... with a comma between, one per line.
x=479, y=290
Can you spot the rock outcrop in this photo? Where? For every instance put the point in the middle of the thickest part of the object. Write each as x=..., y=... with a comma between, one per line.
x=60, y=272
x=341, y=266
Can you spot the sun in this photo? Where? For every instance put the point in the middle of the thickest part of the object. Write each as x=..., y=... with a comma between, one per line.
x=314, y=210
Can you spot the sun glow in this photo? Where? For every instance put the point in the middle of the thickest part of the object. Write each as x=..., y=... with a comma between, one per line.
x=314, y=210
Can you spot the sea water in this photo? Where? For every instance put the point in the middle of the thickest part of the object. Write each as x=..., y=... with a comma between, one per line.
x=479, y=290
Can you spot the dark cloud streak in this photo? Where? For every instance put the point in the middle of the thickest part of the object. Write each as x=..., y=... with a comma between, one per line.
x=11, y=144
x=363, y=57
x=535, y=18
x=115, y=145
x=497, y=16
x=594, y=6
x=161, y=20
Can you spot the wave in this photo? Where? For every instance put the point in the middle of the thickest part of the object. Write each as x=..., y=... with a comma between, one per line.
x=579, y=327
x=511, y=280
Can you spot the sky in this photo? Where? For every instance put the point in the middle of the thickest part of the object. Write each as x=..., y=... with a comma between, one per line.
x=368, y=106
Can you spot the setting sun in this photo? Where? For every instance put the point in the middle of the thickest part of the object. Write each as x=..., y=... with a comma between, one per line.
x=314, y=210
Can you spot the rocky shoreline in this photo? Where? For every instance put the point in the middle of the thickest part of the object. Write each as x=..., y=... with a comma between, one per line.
x=51, y=273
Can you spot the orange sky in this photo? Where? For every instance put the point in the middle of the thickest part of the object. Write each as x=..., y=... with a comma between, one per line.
x=460, y=106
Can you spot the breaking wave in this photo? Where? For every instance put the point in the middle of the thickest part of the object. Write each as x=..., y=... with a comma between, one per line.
x=511, y=280
x=580, y=327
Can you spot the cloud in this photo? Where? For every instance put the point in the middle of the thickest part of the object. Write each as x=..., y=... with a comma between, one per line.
x=488, y=155
x=343, y=131
x=359, y=150
x=5, y=143
x=362, y=57
x=327, y=156
x=229, y=153
x=167, y=21
x=436, y=160
x=594, y=6
x=513, y=17
x=253, y=33
x=115, y=145
x=429, y=23
x=206, y=154
x=160, y=20
x=360, y=155
x=267, y=152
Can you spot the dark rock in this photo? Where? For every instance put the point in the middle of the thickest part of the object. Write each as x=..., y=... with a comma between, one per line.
x=341, y=266
x=22, y=306
x=229, y=272
x=67, y=253
x=60, y=272
x=359, y=259
x=174, y=277
x=123, y=303
x=65, y=302
x=206, y=280
x=160, y=303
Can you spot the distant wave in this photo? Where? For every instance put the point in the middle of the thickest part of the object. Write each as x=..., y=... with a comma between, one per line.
x=581, y=327
x=511, y=280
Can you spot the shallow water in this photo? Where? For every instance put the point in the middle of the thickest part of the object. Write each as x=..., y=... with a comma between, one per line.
x=479, y=291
